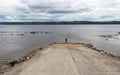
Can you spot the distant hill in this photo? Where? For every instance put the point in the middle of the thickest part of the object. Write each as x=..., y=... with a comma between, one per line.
x=61, y=22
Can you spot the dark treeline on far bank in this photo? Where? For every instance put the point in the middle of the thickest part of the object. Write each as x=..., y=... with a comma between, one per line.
x=62, y=22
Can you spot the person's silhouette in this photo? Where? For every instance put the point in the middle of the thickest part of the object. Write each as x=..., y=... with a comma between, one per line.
x=66, y=40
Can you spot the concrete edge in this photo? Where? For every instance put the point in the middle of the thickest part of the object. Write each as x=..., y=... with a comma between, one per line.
x=12, y=63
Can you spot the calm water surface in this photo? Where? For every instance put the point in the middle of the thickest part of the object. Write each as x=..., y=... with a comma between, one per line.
x=16, y=40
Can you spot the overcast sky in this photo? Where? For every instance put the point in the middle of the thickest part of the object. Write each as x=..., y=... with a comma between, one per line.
x=59, y=10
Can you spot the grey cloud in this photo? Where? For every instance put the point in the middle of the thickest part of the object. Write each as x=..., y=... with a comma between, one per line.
x=68, y=10
x=106, y=16
x=58, y=10
x=2, y=16
x=62, y=11
x=39, y=7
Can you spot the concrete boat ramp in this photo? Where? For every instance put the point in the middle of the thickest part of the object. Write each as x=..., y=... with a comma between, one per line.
x=67, y=59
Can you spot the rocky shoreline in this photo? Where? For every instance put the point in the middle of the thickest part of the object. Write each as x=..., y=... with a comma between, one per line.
x=102, y=51
x=28, y=56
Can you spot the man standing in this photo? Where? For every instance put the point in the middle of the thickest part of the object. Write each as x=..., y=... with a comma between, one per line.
x=66, y=40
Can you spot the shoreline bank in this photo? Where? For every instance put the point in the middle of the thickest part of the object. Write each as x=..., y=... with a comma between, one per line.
x=11, y=64
x=8, y=65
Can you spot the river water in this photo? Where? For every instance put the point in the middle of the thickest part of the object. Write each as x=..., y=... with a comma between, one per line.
x=18, y=40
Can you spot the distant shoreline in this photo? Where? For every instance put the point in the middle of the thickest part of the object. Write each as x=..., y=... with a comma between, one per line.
x=61, y=22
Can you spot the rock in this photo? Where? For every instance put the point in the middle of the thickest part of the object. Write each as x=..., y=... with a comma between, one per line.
x=12, y=63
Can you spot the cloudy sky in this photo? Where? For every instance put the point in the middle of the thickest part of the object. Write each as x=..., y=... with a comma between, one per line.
x=59, y=10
